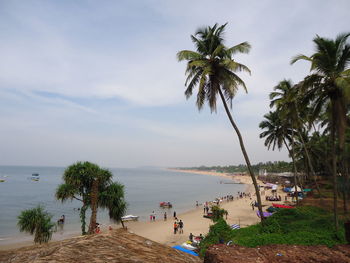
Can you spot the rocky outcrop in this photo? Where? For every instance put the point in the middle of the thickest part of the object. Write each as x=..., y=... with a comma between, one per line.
x=277, y=253
x=116, y=246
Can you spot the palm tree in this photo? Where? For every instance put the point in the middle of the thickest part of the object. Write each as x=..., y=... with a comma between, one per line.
x=212, y=69
x=101, y=179
x=276, y=132
x=286, y=98
x=329, y=83
x=92, y=185
x=78, y=179
x=38, y=222
x=112, y=198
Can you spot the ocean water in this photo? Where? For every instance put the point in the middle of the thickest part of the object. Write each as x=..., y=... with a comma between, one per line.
x=144, y=189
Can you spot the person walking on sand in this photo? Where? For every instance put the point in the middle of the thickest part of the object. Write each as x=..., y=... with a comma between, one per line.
x=174, y=214
x=165, y=216
x=252, y=204
x=175, y=227
x=154, y=216
x=181, y=225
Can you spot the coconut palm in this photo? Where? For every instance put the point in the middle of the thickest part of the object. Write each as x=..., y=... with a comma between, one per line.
x=212, y=69
x=38, y=222
x=276, y=132
x=286, y=99
x=329, y=83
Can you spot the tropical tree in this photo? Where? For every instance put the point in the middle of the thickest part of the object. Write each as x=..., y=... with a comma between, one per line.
x=93, y=186
x=329, y=84
x=218, y=213
x=111, y=197
x=276, y=132
x=78, y=179
x=101, y=180
x=286, y=99
x=38, y=222
x=212, y=69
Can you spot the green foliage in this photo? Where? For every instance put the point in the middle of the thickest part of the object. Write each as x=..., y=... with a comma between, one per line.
x=38, y=222
x=273, y=167
x=218, y=213
x=221, y=231
x=301, y=226
x=78, y=184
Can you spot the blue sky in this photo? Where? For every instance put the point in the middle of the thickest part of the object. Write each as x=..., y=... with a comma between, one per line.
x=99, y=80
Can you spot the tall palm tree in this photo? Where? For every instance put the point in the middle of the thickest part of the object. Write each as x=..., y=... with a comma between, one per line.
x=329, y=83
x=286, y=98
x=212, y=69
x=38, y=222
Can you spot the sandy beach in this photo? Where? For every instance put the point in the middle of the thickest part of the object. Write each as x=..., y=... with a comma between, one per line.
x=239, y=212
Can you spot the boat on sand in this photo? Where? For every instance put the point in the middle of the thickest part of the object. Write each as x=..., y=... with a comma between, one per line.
x=130, y=218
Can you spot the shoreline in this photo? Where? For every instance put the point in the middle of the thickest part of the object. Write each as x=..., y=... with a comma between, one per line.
x=240, y=212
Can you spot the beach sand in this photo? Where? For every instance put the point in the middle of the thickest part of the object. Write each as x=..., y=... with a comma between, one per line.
x=239, y=212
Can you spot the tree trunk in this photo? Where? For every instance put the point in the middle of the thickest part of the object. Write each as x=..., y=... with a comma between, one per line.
x=309, y=163
x=82, y=217
x=257, y=190
x=94, y=199
x=334, y=170
x=295, y=169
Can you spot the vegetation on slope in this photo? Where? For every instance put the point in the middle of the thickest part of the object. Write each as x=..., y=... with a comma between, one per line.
x=300, y=226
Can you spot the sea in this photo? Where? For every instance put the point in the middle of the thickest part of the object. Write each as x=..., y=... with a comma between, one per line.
x=144, y=189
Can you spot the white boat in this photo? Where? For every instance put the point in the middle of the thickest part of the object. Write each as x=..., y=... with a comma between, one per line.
x=188, y=246
x=130, y=218
x=35, y=177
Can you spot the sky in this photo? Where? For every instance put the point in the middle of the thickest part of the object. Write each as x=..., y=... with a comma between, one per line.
x=99, y=80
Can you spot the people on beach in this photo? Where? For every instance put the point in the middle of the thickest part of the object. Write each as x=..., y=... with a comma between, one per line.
x=61, y=220
x=181, y=225
x=165, y=216
x=175, y=215
x=175, y=227
x=152, y=216
x=190, y=237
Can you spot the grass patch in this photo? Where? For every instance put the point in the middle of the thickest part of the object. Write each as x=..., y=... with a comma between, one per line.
x=305, y=225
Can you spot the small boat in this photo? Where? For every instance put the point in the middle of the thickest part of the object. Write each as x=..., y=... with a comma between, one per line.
x=130, y=218
x=165, y=204
x=2, y=180
x=35, y=177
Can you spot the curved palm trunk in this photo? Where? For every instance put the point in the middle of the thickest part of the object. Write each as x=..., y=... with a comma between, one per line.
x=94, y=199
x=257, y=190
x=295, y=169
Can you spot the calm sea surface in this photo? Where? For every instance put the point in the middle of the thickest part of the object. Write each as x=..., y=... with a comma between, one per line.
x=144, y=189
